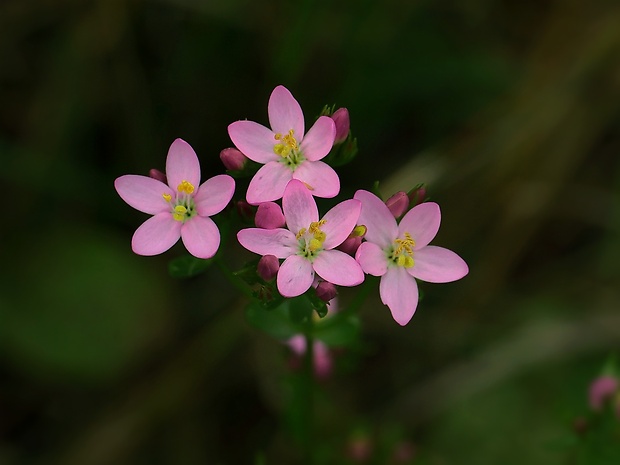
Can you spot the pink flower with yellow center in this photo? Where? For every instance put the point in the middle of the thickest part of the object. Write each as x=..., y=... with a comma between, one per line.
x=181, y=208
x=286, y=151
x=308, y=245
x=400, y=253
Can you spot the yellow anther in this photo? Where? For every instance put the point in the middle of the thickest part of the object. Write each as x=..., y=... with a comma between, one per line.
x=185, y=187
x=407, y=244
x=358, y=231
x=315, y=244
x=167, y=197
x=301, y=232
x=179, y=213
x=315, y=226
x=320, y=236
x=287, y=144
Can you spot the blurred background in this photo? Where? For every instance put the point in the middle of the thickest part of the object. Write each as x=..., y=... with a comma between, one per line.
x=508, y=110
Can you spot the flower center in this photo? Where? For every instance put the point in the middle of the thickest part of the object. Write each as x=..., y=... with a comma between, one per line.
x=401, y=253
x=182, y=207
x=288, y=150
x=311, y=240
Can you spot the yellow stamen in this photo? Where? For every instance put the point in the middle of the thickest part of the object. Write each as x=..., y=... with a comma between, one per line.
x=185, y=187
x=315, y=244
x=301, y=232
x=179, y=213
x=358, y=231
x=167, y=197
x=287, y=144
x=316, y=225
x=407, y=244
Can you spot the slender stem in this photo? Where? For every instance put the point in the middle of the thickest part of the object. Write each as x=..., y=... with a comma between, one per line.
x=307, y=397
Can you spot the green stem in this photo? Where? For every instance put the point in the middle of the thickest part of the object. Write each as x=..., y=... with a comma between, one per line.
x=307, y=397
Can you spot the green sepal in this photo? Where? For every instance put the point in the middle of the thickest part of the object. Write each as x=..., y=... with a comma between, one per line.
x=188, y=266
x=319, y=305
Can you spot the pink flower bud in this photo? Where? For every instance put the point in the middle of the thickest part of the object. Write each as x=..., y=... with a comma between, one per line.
x=156, y=174
x=269, y=216
x=268, y=267
x=341, y=118
x=417, y=195
x=326, y=291
x=601, y=391
x=398, y=204
x=352, y=243
x=233, y=159
x=245, y=210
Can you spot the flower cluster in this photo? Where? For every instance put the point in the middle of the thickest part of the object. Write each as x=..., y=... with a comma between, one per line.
x=299, y=246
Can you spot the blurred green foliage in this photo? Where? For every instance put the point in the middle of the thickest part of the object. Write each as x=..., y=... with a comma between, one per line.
x=507, y=110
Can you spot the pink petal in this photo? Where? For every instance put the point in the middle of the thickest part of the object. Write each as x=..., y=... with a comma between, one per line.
x=201, y=236
x=182, y=165
x=379, y=221
x=321, y=178
x=268, y=183
x=319, y=140
x=437, y=265
x=338, y=268
x=295, y=276
x=254, y=140
x=339, y=222
x=214, y=194
x=299, y=206
x=372, y=259
x=285, y=113
x=144, y=194
x=278, y=242
x=399, y=292
x=156, y=235
x=422, y=222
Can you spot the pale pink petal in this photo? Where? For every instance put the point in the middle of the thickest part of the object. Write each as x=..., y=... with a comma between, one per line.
x=297, y=343
x=339, y=222
x=338, y=268
x=319, y=177
x=437, y=265
x=182, y=165
x=399, y=292
x=201, y=236
x=278, y=242
x=156, y=235
x=322, y=359
x=295, y=276
x=254, y=140
x=422, y=222
x=214, y=194
x=319, y=140
x=285, y=113
x=381, y=227
x=143, y=193
x=299, y=206
x=372, y=259
x=268, y=183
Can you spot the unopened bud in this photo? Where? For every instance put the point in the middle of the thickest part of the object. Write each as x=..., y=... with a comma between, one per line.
x=343, y=123
x=326, y=291
x=156, y=174
x=269, y=216
x=417, y=195
x=398, y=204
x=245, y=210
x=233, y=159
x=602, y=390
x=352, y=243
x=268, y=267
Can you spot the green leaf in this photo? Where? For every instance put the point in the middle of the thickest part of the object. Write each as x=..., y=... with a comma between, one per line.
x=188, y=266
x=338, y=330
x=276, y=322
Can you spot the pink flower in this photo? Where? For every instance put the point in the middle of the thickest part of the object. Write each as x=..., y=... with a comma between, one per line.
x=180, y=209
x=321, y=355
x=400, y=253
x=308, y=244
x=286, y=151
x=601, y=390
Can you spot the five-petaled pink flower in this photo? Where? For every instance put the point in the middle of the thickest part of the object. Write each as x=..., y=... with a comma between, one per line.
x=308, y=244
x=286, y=151
x=399, y=253
x=180, y=209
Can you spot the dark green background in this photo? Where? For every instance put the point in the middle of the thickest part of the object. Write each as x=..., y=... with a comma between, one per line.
x=509, y=110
